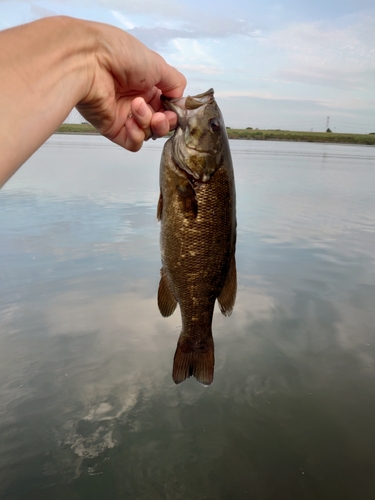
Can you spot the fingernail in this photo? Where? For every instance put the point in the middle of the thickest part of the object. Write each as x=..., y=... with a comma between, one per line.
x=142, y=109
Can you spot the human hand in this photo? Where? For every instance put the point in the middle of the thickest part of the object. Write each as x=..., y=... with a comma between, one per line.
x=51, y=65
x=126, y=80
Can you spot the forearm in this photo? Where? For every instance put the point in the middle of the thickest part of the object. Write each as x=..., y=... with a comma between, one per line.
x=43, y=74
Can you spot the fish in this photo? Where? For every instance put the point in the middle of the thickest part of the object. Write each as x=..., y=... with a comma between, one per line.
x=197, y=214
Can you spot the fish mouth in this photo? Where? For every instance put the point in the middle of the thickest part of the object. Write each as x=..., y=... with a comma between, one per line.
x=181, y=104
x=171, y=104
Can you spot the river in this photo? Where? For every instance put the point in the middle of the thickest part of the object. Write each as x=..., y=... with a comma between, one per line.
x=88, y=408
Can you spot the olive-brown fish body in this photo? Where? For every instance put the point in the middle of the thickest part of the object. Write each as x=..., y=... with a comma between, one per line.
x=198, y=232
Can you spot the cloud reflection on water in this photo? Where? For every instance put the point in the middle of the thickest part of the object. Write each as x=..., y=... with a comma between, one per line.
x=85, y=358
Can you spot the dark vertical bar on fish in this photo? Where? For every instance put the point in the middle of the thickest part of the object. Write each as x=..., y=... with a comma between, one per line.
x=197, y=210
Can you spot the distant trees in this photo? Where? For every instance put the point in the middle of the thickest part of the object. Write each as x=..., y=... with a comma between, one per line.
x=328, y=130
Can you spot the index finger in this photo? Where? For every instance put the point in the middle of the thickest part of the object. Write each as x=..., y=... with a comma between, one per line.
x=172, y=83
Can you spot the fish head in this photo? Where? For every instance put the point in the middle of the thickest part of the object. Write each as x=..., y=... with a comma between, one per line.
x=200, y=140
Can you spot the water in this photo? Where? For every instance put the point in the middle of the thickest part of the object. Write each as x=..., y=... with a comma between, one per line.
x=88, y=409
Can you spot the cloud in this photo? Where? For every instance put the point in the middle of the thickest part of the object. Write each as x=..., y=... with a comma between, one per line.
x=218, y=27
x=200, y=68
x=333, y=77
x=124, y=20
x=215, y=28
x=353, y=104
x=197, y=52
x=160, y=8
x=258, y=109
x=40, y=12
x=321, y=54
x=258, y=94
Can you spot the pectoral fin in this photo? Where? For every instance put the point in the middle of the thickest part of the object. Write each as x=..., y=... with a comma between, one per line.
x=166, y=300
x=160, y=207
x=188, y=199
x=227, y=295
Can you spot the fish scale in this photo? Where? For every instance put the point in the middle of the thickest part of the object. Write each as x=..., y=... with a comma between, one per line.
x=198, y=232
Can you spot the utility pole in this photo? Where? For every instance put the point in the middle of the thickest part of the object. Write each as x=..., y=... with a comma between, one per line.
x=327, y=123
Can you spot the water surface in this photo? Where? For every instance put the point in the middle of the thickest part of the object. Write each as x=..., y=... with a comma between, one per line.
x=88, y=408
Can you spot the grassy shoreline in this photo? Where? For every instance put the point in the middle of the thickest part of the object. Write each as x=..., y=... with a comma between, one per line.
x=290, y=135
x=76, y=128
x=257, y=135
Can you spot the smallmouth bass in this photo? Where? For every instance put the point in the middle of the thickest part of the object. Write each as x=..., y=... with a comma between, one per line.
x=197, y=211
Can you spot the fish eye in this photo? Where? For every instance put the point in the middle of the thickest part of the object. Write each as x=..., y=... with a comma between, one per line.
x=215, y=124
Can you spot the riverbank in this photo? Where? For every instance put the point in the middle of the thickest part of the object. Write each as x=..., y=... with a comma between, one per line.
x=289, y=135
x=76, y=128
x=258, y=135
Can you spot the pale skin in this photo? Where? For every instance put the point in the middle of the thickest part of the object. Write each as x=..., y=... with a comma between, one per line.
x=50, y=66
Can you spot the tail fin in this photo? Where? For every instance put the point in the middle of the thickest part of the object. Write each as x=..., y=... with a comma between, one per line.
x=194, y=358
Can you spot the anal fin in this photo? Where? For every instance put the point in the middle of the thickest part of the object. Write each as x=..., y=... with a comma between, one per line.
x=228, y=294
x=166, y=300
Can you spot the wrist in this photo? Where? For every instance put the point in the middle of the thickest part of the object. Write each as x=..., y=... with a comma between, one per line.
x=74, y=54
x=49, y=59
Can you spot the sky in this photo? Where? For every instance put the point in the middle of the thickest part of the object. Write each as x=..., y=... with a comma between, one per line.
x=291, y=65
